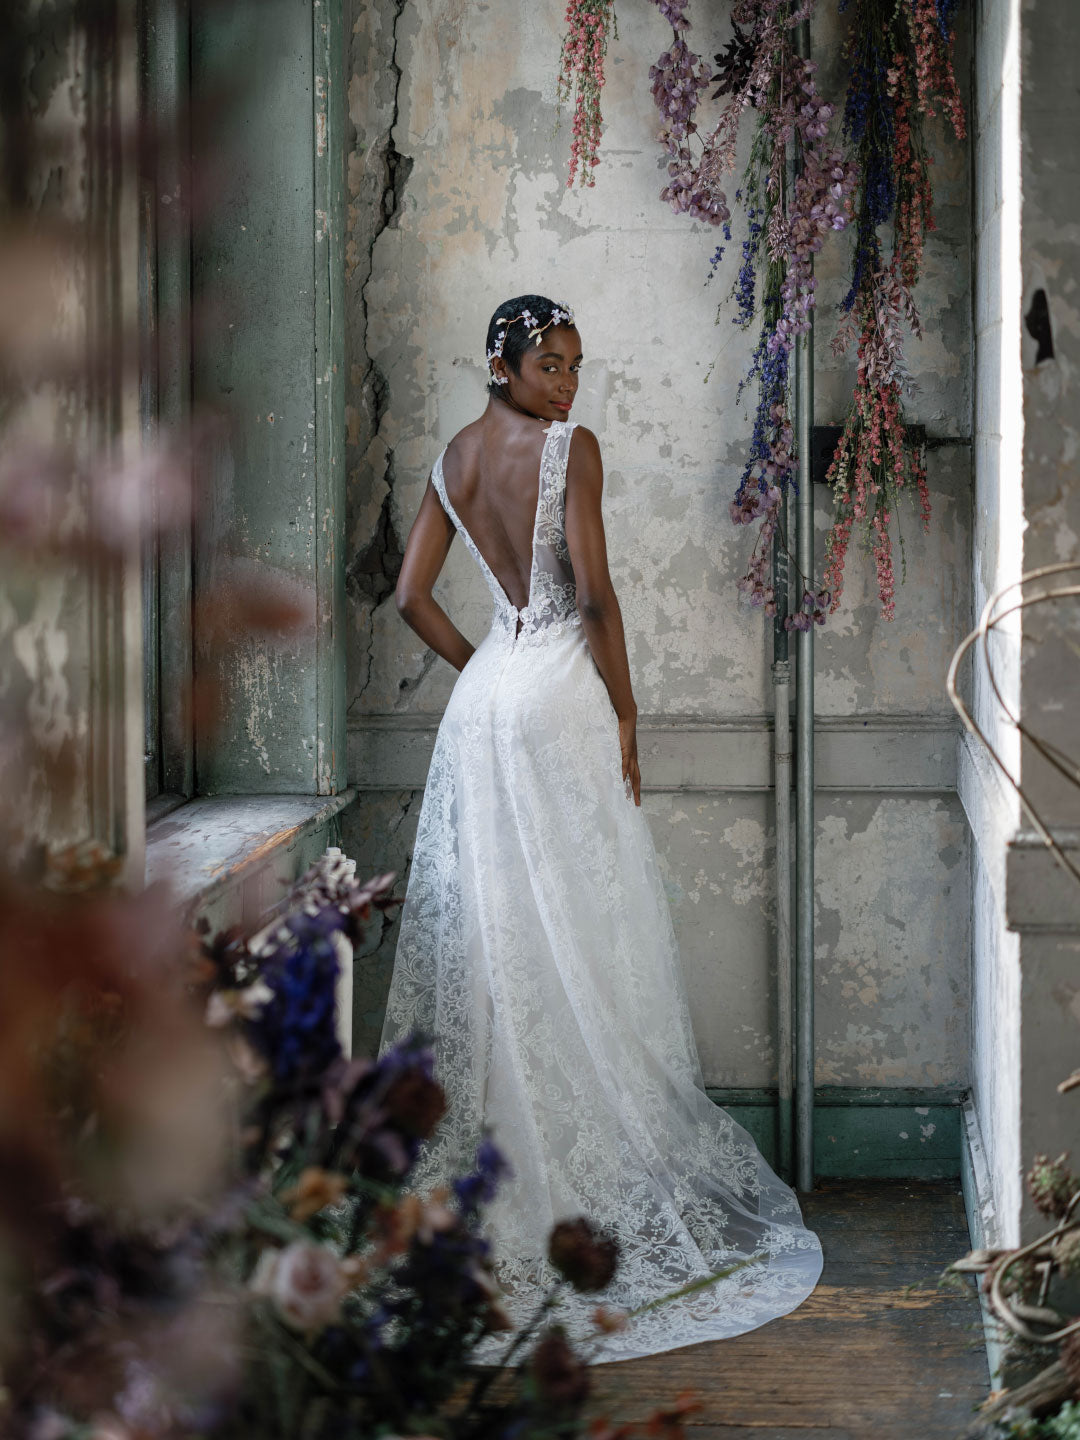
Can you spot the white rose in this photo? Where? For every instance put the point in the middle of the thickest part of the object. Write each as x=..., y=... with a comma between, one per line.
x=305, y=1283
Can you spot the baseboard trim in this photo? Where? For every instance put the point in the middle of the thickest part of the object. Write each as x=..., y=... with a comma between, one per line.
x=982, y=1218
x=863, y=1133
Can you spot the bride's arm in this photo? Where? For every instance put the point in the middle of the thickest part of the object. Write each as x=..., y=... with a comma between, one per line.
x=601, y=618
x=425, y=553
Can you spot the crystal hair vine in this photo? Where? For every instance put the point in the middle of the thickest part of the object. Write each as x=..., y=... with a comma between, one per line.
x=560, y=315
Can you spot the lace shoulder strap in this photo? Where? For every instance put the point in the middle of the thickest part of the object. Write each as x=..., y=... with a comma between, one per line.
x=551, y=569
x=556, y=456
x=440, y=485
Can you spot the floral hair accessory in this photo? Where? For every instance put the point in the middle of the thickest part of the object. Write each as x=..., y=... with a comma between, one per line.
x=560, y=315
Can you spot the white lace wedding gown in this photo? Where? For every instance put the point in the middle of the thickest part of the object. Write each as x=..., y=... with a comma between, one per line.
x=537, y=947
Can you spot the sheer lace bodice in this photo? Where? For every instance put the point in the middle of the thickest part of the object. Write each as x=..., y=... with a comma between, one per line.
x=537, y=948
x=552, y=592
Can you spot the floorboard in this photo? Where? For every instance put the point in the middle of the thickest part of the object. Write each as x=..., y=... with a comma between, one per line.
x=878, y=1352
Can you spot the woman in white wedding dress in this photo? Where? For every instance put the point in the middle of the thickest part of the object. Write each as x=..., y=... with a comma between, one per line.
x=536, y=943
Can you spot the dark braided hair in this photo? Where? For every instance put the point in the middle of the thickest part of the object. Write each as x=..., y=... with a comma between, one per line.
x=517, y=335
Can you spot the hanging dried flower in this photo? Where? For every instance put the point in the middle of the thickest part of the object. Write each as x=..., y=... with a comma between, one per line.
x=589, y=23
x=899, y=66
x=899, y=60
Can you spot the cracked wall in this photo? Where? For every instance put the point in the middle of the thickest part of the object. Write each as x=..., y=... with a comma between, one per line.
x=458, y=198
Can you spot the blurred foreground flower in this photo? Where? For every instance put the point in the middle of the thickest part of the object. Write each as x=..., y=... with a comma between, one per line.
x=164, y=1285
x=560, y=1377
x=306, y=1282
x=112, y=1136
x=582, y=1254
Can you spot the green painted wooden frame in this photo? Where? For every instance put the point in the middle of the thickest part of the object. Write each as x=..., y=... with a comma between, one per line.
x=863, y=1133
x=268, y=269
x=328, y=22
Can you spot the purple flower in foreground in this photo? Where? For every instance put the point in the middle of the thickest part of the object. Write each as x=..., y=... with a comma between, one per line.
x=480, y=1186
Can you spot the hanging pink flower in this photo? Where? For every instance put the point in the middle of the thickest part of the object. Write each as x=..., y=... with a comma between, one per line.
x=581, y=74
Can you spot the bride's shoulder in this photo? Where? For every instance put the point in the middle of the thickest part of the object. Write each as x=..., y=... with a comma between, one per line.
x=584, y=448
x=466, y=439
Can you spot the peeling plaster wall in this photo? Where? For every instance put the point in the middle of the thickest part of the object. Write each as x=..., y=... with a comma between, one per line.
x=457, y=199
x=890, y=1008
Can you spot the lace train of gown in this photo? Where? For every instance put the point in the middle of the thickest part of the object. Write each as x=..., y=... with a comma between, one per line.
x=536, y=945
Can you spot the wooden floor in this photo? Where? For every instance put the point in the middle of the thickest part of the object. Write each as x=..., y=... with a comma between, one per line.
x=865, y=1356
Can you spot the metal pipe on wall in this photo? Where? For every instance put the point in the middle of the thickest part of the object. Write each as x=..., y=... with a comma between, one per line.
x=781, y=678
x=804, y=758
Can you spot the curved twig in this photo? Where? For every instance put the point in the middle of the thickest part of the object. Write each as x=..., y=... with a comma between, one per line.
x=1000, y=1304
x=990, y=620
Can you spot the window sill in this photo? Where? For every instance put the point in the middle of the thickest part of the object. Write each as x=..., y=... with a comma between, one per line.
x=230, y=857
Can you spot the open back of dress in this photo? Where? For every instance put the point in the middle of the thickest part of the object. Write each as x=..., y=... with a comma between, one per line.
x=536, y=946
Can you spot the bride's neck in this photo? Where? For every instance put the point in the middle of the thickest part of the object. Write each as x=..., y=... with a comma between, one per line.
x=502, y=412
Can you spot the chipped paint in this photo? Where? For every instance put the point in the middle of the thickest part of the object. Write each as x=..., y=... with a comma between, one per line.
x=48, y=675
x=255, y=675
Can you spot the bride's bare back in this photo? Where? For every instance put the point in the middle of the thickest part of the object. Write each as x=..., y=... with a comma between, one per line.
x=491, y=470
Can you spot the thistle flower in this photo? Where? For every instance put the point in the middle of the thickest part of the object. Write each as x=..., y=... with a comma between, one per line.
x=583, y=1254
x=415, y=1102
x=1051, y=1185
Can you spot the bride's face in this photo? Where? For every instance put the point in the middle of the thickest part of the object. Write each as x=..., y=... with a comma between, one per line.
x=548, y=380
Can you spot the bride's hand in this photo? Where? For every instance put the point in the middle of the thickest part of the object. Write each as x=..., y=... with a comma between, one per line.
x=628, y=746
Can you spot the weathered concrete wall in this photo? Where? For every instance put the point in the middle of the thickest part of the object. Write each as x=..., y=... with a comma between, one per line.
x=1050, y=675
x=1050, y=111
x=458, y=199
x=996, y=561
